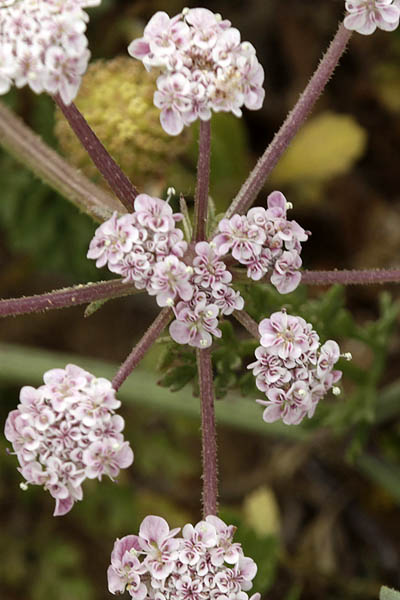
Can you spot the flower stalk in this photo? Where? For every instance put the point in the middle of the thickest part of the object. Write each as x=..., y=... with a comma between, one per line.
x=351, y=277
x=112, y=173
x=248, y=322
x=203, y=181
x=208, y=432
x=144, y=344
x=67, y=297
x=342, y=277
x=257, y=178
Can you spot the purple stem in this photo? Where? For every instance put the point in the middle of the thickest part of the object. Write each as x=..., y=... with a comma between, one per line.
x=248, y=322
x=107, y=166
x=348, y=277
x=73, y=296
x=208, y=433
x=144, y=344
x=203, y=182
x=344, y=277
x=257, y=178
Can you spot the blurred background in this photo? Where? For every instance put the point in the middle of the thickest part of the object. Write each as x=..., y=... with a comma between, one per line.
x=317, y=505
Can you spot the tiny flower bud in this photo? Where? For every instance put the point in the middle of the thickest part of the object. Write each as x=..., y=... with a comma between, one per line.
x=23, y=486
x=289, y=205
x=185, y=11
x=169, y=302
x=336, y=390
x=347, y=356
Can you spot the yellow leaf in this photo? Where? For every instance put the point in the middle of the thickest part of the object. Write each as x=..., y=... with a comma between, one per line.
x=328, y=145
x=261, y=511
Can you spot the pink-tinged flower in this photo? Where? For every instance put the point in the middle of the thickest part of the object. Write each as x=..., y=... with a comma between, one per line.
x=181, y=568
x=43, y=45
x=292, y=368
x=226, y=299
x=112, y=240
x=160, y=545
x=283, y=335
x=126, y=569
x=170, y=279
x=286, y=275
x=259, y=265
x=208, y=268
x=238, y=236
x=329, y=355
x=364, y=16
x=195, y=326
x=171, y=98
x=107, y=457
x=66, y=431
x=277, y=205
x=204, y=67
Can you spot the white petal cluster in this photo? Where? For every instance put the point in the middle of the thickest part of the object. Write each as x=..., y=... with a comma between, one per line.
x=145, y=247
x=292, y=368
x=203, y=564
x=66, y=431
x=265, y=241
x=204, y=66
x=43, y=45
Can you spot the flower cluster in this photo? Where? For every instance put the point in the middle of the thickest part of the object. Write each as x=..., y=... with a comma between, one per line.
x=204, y=67
x=144, y=248
x=292, y=368
x=204, y=563
x=364, y=16
x=43, y=45
x=197, y=318
x=265, y=241
x=66, y=431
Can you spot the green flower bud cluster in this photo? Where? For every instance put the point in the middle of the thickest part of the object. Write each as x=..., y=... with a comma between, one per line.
x=116, y=98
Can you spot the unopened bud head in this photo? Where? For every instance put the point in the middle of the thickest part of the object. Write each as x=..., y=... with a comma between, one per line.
x=335, y=390
x=289, y=205
x=23, y=486
x=347, y=355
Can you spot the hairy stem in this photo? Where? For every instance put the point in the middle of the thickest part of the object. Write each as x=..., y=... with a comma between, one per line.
x=28, y=148
x=203, y=182
x=138, y=352
x=343, y=277
x=208, y=433
x=112, y=173
x=248, y=322
x=73, y=296
x=350, y=277
x=255, y=181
